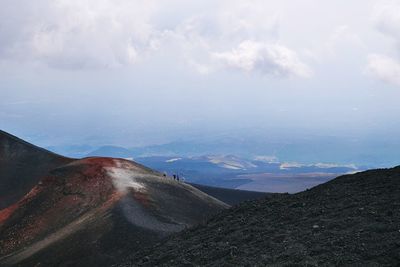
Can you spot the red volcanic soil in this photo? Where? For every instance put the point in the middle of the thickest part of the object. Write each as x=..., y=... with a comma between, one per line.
x=61, y=197
x=93, y=211
x=6, y=213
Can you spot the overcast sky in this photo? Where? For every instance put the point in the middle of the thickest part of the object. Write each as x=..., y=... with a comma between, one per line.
x=154, y=71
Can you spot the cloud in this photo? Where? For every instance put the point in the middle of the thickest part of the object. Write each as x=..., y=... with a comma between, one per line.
x=76, y=34
x=384, y=68
x=90, y=34
x=270, y=59
x=387, y=20
x=241, y=35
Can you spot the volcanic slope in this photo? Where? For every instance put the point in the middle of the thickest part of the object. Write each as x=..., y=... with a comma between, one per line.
x=353, y=220
x=21, y=167
x=93, y=211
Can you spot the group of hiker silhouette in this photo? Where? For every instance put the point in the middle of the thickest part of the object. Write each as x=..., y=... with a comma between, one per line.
x=174, y=176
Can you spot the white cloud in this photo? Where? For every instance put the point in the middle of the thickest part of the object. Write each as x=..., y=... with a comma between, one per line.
x=242, y=35
x=384, y=68
x=79, y=34
x=270, y=59
x=76, y=34
x=386, y=17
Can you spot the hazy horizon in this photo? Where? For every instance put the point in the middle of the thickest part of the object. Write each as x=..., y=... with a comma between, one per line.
x=135, y=74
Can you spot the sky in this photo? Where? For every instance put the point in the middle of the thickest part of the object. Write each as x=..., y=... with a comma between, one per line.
x=131, y=72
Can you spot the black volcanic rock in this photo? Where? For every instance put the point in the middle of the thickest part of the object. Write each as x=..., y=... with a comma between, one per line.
x=353, y=220
x=21, y=167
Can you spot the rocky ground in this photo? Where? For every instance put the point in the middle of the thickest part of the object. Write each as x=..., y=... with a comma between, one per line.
x=354, y=220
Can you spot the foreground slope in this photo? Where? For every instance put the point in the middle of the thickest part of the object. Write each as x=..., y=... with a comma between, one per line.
x=351, y=220
x=21, y=167
x=92, y=211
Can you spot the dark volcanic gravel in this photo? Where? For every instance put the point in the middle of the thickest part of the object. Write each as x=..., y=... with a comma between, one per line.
x=354, y=220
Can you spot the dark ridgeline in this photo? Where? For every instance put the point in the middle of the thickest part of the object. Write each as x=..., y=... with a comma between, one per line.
x=21, y=167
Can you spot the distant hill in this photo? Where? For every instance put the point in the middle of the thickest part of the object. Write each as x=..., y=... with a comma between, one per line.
x=353, y=220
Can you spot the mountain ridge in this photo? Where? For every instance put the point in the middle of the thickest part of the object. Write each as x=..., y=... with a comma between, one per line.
x=22, y=164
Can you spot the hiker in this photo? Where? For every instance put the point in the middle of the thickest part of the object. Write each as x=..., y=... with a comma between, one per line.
x=174, y=176
x=177, y=177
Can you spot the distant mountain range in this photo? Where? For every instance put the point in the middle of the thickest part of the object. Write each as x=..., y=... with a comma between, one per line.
x=260, y=173
x=365, y=152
